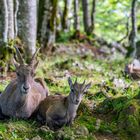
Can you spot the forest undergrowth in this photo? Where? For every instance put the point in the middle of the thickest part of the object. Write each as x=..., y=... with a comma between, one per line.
x=110, y=109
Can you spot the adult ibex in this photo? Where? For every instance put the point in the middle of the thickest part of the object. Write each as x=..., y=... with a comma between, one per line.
x=58, y=110
x=23, y=95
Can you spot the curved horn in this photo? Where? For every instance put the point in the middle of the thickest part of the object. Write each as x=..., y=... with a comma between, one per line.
x=75, y=81
x=83, y=83
x=21, y=61
x=33, y=57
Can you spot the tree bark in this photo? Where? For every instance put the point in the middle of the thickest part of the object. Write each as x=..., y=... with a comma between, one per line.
x=76, y=16
x=10, y=4
x=1, y=21
x=134, y=28
x=28, y=14
x=15, y=17
x=52, y=23
x=5, y=31
x=47, y=21
x=86, y=17
x=93, y=14
x=65, y=18
x=43, y=21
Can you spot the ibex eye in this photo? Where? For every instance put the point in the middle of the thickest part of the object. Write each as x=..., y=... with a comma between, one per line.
x=18, y=74
x=72, y=90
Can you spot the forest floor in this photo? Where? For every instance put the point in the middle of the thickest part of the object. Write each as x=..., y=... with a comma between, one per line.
x=109, y=111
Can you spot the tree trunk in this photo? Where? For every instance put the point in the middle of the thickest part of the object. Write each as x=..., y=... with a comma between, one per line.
x=1, y=21
x=10, y=4
x=76, y=16
x=15, y=17
x=5, y=24
x=86, y=17
x=65, y=18
x=7, y=20
x=42, y=20
x=52, y=23
x=93, y=14
x=47, y=21
x=134, y=28
x=28, y=14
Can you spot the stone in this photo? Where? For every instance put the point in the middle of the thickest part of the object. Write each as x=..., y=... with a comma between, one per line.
x=82, y=130
x=37, y=138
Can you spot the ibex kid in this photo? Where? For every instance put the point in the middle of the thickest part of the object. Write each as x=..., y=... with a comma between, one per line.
x=58, y=110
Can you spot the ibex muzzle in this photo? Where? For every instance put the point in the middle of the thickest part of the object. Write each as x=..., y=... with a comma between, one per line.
x=25, y=85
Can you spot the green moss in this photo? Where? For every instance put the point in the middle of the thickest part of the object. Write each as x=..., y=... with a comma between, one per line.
x=129, y=118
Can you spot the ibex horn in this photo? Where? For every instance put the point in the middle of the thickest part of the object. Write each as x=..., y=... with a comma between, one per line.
x=75, y=81
x=20, y=59
x=33, y=57
x=83, y=83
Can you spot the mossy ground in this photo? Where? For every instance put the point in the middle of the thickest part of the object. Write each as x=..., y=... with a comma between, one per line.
x=109, y=110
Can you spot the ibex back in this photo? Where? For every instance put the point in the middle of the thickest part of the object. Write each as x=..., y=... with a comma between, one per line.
x=58, y=110
x=23, y=95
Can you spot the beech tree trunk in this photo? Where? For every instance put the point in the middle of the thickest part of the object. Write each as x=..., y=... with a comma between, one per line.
x=134, y=28
x=28, y=13
x=76, y=16
x=47, y=21
x=5, y=24
x=10, y=4
x=1, y=21
x=86, y=17
x=7, y=20
x=15, y=18
x=65, y=18
x=52, y=23
x=93, y=12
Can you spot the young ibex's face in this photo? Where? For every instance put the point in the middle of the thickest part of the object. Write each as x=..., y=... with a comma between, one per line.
x=77, y=91
x=25, y=73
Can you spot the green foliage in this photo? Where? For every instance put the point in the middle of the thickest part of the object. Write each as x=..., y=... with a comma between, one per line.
x=64, y=36
x=107, y=26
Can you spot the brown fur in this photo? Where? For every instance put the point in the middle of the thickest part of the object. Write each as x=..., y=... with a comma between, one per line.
x=59, y=110
x=23, y=95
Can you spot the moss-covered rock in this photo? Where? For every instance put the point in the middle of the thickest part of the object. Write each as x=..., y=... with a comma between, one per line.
x=113, y=105
x=129, y=119
x=82, y=130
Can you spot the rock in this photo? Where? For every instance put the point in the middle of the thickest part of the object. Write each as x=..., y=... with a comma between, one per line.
x=119, y=83
x=37, y=138
x=59, y=135
x=136, y=63
x=66, y=135
x=129, y=118
x=133, y=69
x=82, y=130
x=45, y=129
x=98, y=124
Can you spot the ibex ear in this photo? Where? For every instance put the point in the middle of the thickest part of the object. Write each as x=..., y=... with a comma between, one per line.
x=70, y=82
x=87, y=87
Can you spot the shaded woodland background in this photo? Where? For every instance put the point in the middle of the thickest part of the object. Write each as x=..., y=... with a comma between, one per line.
x=89, y=39
x=110, y=22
